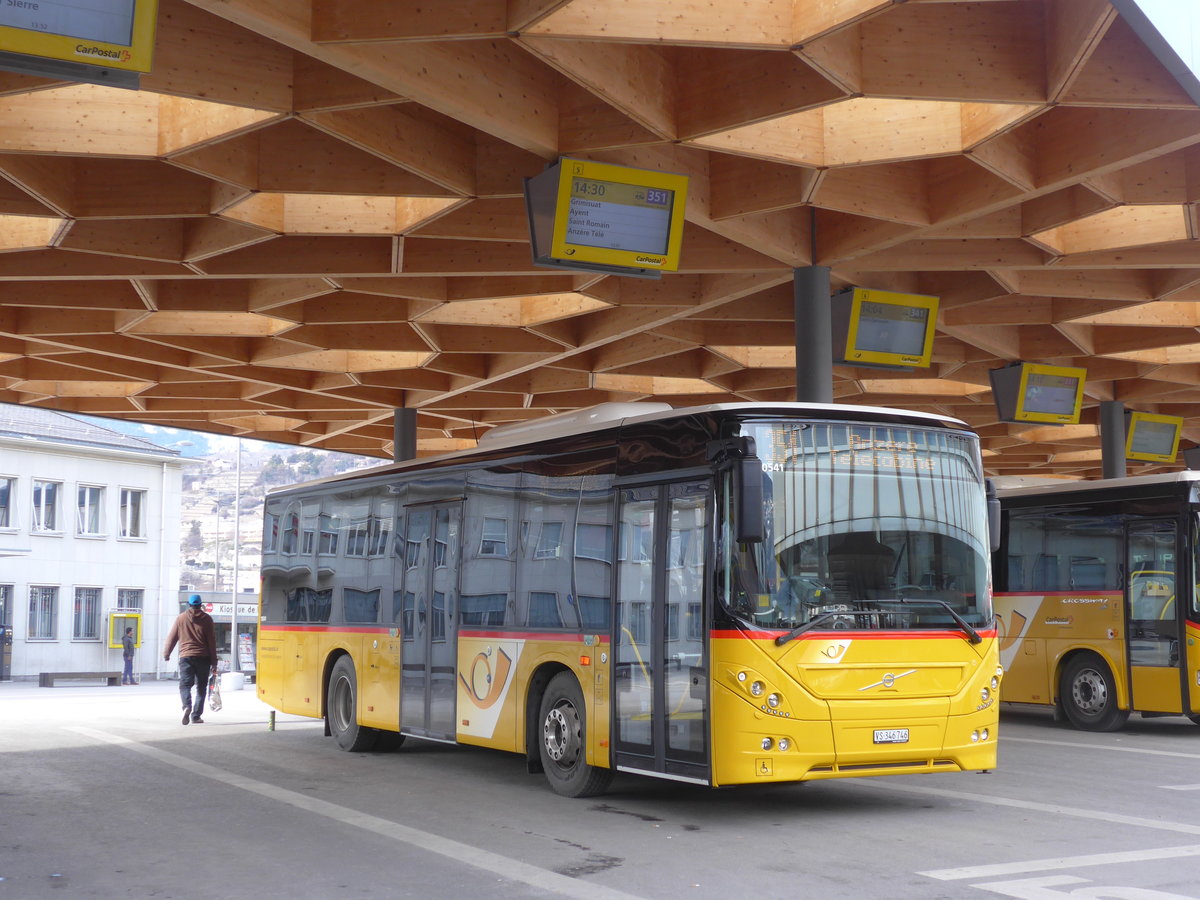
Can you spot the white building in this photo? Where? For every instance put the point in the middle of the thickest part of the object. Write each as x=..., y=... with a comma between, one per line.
x=89, y=527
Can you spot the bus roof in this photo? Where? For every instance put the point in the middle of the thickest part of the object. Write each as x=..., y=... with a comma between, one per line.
x=1031, y=486
x=605, y=416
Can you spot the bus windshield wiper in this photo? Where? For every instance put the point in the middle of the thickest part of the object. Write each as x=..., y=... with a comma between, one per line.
x=825, y=617
x=972, y=635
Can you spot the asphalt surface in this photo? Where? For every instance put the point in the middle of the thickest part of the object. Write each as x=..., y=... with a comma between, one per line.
x=103, y=793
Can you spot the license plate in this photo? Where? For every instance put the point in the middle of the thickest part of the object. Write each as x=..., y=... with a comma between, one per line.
x=891, y=735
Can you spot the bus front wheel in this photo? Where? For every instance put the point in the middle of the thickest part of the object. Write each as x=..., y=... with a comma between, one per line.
x=341, y=709
x=1089, y=695
x=563, y=741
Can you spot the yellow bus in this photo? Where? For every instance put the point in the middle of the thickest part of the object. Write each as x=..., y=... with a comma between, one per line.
x=729, y=594
x=1098, y=611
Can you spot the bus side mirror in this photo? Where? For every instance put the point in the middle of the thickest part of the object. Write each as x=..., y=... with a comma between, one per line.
x=748, y=511
x=993, y=511
x=740, y=454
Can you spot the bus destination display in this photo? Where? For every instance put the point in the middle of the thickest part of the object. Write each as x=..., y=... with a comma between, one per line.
x=1153, y=438
x=600, y=217
x=628, y=217
x=110, y=21
x=1050, y=394
x=882, y=329
x=114, y=37
x=889, y=328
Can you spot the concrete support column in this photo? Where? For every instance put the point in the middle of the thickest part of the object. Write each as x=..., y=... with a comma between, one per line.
x=404, y=435
x=814, y=347
x=1112, y=439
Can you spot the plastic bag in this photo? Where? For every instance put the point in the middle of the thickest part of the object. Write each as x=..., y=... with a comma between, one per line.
x=214, y=692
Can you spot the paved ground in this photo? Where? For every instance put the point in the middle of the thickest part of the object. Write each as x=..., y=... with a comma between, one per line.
x=104, y=794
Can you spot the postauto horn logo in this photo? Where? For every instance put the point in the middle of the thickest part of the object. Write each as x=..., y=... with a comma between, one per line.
x=118, y=55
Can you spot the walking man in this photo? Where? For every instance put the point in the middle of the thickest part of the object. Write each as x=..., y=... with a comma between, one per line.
x=193, y=631
x=127, y=644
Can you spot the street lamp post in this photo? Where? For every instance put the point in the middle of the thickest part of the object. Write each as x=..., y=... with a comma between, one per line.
x=234, y=661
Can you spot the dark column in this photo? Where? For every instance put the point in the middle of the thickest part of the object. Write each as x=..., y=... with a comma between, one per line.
x=814, y=347
x=404, y=435
x=1112, y=438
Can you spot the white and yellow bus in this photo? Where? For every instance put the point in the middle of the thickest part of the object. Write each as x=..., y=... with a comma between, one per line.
x=730, y=594
x=1096, y=597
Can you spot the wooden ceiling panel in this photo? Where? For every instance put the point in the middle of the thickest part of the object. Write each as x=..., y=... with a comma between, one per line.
x=312, y=212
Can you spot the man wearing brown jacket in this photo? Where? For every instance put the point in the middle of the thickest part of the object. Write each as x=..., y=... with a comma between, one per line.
x=193, y=631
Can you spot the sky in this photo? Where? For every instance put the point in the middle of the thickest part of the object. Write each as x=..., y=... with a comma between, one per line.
x=197, y=444
x=1179, y=23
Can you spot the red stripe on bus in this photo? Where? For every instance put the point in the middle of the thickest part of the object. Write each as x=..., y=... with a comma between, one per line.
x=526, y=636
x=352, y=629
x=1114, y=593
x=844, y=633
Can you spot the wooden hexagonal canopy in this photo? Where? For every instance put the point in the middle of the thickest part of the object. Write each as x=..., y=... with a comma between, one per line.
x=312, y=212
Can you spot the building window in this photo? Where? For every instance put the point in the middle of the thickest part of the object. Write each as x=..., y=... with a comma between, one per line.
x=356, y=539
x=130, y=598
x=483, y=609
x=329, y=536
x=133, y=513
x=291, y=534
x=87, y=614
x=593, y=542
x=8, y=491
x=270, y=530
x=45, y=505
x=43, y=613
x=495, y=537
x=360, y=606
x=543, y=610
x=437, y=622
x=380, y=537
x=90, y=510
x=549, y=541
x=6, y=595
x=594, y=612
x=308, y=541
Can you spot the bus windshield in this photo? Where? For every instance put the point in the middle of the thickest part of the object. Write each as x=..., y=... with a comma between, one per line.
x=868, y=526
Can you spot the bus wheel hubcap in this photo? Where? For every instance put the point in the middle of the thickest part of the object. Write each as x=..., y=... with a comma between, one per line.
x=1090, y=692
x=560, y=732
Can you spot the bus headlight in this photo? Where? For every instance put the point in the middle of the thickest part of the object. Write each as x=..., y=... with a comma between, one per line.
x=773, y=700
x=756, y=688
x=767, y=743
x=985, y=695
x=995, y=682
x=784, y=744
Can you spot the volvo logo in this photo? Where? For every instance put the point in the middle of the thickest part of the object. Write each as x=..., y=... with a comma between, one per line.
x=887, y=681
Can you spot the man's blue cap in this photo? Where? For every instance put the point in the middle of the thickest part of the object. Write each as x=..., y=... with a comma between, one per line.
x=194, y=600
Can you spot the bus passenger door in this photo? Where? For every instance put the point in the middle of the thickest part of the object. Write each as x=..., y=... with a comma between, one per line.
x=429, y=645
x=1153, y=616
x=660, y=679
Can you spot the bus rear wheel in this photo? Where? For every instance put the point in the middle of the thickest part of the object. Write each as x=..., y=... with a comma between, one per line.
x=563, y=741
x=1089, y=694
x=341, y=709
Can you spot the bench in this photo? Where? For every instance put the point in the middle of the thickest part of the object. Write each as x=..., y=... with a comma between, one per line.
x=47, y=679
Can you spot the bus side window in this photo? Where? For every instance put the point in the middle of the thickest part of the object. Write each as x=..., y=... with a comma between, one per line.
x=1016, y=572
x=1045, y=572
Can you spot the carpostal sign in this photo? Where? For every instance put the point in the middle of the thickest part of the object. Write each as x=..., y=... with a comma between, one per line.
x=114, y=34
